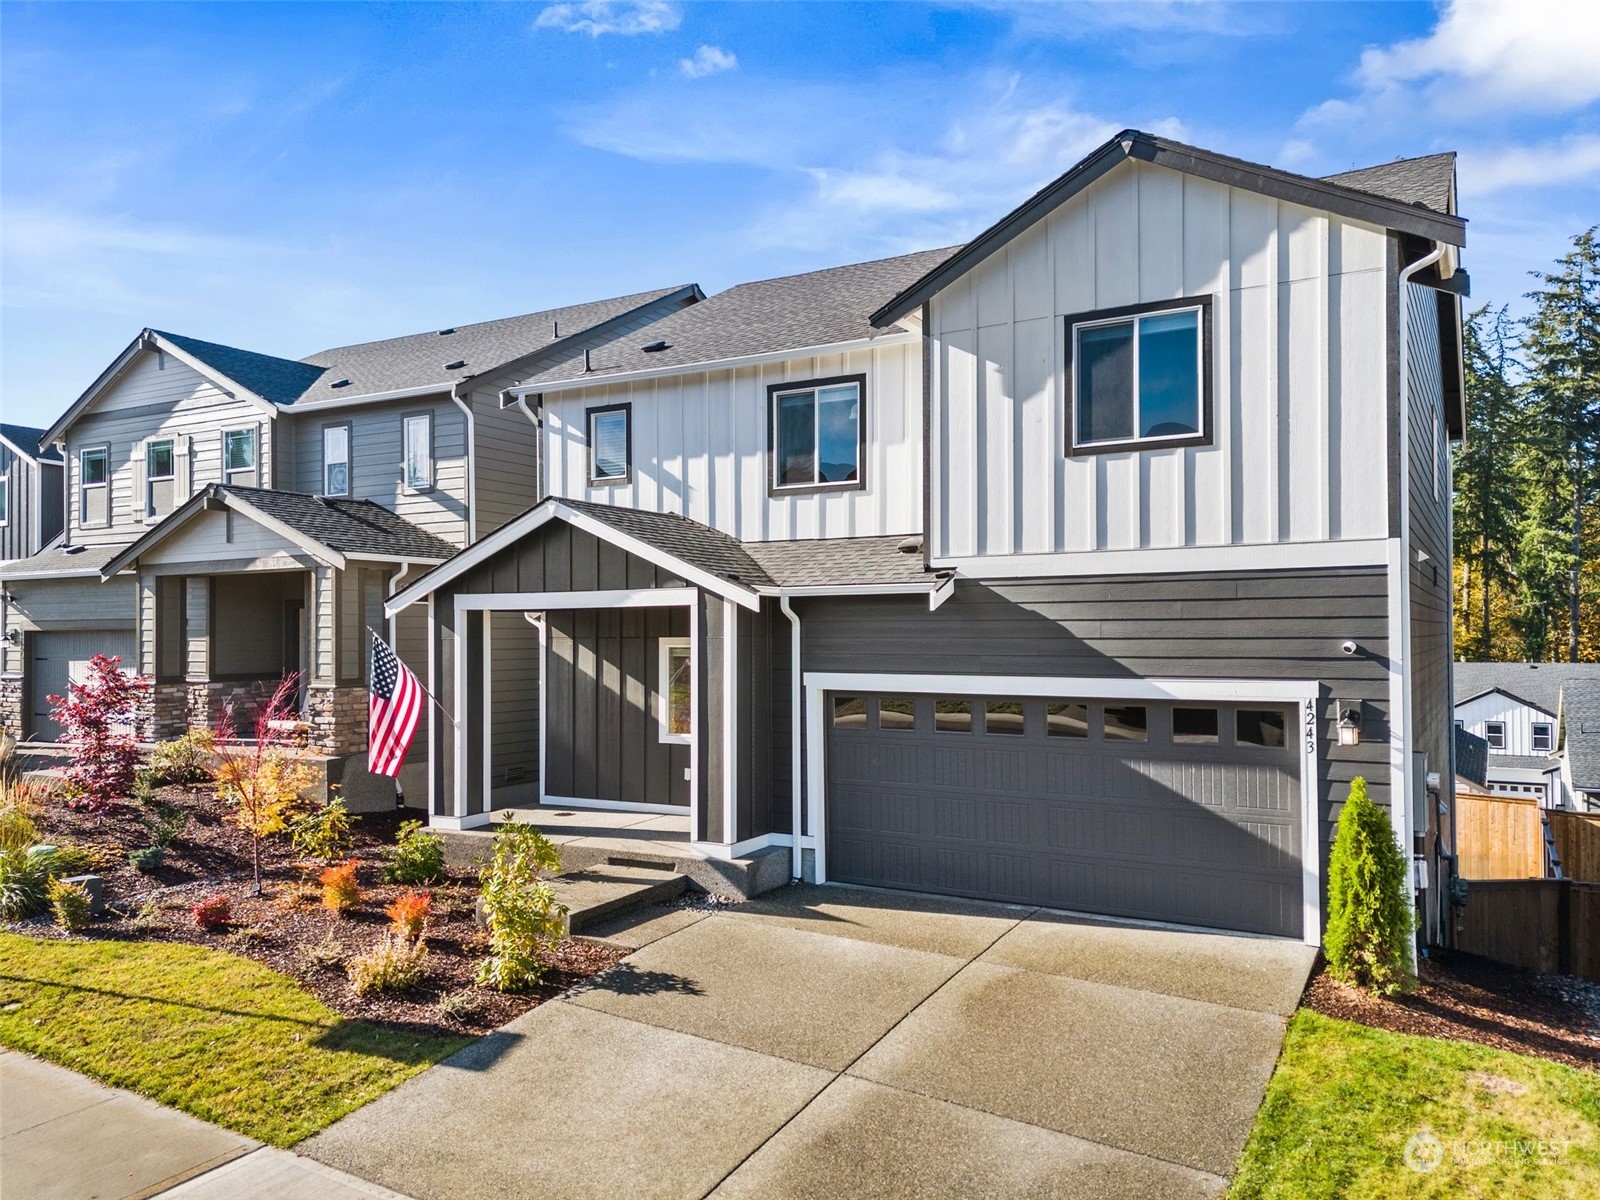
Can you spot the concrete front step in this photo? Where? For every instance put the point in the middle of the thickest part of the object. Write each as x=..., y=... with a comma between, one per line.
x=603, y=890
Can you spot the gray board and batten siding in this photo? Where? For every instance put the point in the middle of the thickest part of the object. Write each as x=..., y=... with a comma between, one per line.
x=32, y=504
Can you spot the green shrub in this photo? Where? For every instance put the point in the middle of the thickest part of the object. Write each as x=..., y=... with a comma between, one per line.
x=26, y=868
x=394, y=964
x=145, y=785
x=418, y=855
x=147, y=859
x=522, y=913
x=70, y=903
x=325, y=833
x=164, y=824
x=186, y=760
x=1369, y=912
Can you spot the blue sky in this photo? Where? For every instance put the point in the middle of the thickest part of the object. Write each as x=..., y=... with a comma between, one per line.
x=293, y=176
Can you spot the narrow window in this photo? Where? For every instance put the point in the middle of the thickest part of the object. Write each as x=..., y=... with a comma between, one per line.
x=1494, y=732
x=239, y=457
x=419, y=452
x=5, y=499
x=1198, y=725
x=158, y=478
x=1139, y=377
x=677, y=694
x=94, y=474
x=1003, y=716
x=849, y=712
x=1543, y=737
x=897, y=712
x=610, y=445
x=816, y=433
x=1259, y=727
x=952, y=716
x=336, y=460
x=1062, y=719
x=1127, y=723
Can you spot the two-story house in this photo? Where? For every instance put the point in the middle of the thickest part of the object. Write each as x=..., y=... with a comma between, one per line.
x=1083, y=565
x=232, y=517
x=1541, y=722
x=30, y=492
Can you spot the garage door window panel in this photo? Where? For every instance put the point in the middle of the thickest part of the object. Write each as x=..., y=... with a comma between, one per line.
x=1005, y=717
x=1066, y=719
x=897, y=713
x=1195, y=726
x=1127, y=723
x=952, y=716
x=1260, y=727
x=849, y=712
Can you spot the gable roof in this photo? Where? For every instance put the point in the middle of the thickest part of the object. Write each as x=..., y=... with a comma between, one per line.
x=1357, y=204
x=1428, y=181
x=1509, y=695
x=794, y=312
x=1535, y=684
x=276, y=380
x=1580, y=732
x=1472, y=757
x=60, y=561
x=28, y=442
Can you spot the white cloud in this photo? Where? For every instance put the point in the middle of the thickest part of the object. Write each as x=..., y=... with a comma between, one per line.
x=597, y=17
x=707, y=60
x=1571, y=159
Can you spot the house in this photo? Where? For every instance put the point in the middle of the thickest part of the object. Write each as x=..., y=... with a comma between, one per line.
x=30, y=492
x=1082, y=565
x=232, y=516
x=1542, y=725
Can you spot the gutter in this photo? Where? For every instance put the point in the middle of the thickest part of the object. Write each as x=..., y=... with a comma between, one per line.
x=796, y=724
x=471, y=498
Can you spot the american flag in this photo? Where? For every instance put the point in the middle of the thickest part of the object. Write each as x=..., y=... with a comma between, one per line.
x=394, y=704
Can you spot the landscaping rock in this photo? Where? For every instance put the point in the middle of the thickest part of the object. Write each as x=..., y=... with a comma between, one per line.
x=95, y=886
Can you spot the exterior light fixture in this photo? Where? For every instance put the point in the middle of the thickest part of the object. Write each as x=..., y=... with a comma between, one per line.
x=1349, y=723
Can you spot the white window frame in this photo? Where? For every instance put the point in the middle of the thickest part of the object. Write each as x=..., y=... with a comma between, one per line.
x=816, y=387
x=625, y=410
x=151, y=479
x=1545, y=730
x=664, y=648
x=407, y=422
x=1123, y=316
x=255, y=455
x=339, y=427
x=85, y=488
x=5, y=500
x=1489, y=735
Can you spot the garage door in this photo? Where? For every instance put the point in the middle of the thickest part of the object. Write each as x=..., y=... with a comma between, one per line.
x=62, y=656
x=1174, y=812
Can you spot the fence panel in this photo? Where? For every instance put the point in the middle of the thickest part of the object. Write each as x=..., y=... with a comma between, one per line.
x=1577, y=837
x=1499, y=838
x=1541, y=924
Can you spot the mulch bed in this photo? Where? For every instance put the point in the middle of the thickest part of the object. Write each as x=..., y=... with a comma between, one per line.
x=287, y=928
x=1470, y=999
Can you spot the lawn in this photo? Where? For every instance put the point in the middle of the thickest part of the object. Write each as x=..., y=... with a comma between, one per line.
x=1346, y=1099
x=222, y=1037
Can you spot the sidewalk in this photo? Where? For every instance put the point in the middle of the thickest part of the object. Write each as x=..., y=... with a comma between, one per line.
x=65, y=1137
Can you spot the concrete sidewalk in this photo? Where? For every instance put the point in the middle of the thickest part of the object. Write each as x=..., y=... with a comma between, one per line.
x=66, y=1137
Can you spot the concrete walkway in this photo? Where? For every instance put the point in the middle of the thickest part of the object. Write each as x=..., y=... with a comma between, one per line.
x=65, y=1137
x=824, y=1042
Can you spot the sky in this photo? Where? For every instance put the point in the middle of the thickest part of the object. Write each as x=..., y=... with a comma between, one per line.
x=289, y=177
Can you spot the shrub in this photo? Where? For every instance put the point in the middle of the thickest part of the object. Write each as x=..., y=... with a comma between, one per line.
x=165, y=824
x=262, y=778
x=408, y=914
x=70, y=903
x=213, y=912
x=98, y=716
x=522, y=913
x=327, y=954
x=459, y=1006
x=340, y=892
x=26, y=868
x=1369, y=912
x=324, y=833
x=418, y=855
x=394, y=964
x=147, y=859
x=186, y=760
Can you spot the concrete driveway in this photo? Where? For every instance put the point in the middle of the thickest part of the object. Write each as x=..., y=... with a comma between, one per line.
x=847, y=1043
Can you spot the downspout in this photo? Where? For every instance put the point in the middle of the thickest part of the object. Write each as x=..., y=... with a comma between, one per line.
x=538, y=446
x=394, y=587
x=796, y=724
x=472, y=464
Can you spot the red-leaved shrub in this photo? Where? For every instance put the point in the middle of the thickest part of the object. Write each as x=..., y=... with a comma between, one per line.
x=213, y=912
x=98, y=716
x=408, y=914
x=340, y=892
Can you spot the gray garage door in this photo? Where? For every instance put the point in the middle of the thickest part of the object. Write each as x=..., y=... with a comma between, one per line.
x=60, y=657
x=1185, y=813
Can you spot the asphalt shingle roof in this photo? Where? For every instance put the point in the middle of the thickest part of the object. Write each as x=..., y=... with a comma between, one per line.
x=1539, y=684
x=1580, y=727
x=685, y=539
x=352, y=527
x=1472, y=757
x=1422, y=181
x=279, y=380
x=26, y=438
x=62, y=560
x=820, y=308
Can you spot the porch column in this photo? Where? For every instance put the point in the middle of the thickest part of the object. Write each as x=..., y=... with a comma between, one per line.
x=717, y=717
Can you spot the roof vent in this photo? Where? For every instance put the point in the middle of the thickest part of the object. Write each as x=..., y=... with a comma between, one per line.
x=555, y=329
x=910, y=545
x=587, y=365
x=455, y=364
x=446, y=332
x=339, y=383
x=73, y=549
x=655, y=347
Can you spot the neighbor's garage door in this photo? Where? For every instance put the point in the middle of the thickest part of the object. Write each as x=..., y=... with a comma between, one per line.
x=62, y=657
x=1185, y=813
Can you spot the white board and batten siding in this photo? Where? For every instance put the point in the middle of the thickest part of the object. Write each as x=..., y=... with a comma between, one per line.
x=1298, y=377
x=700, y=445
x=1519, y=719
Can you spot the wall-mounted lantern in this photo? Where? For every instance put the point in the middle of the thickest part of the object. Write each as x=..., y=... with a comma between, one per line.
x=1349, y=722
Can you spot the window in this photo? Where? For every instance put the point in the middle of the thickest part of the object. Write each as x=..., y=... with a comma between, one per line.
x=897, y=712
x=239, y=457
x=849, y=712
x=1494, y=732
x=1194, y=725
x=5, y=499
x=1543, y=737
x=952, y=716
x=1140, y=377
x=1259, y=727
x=610, y=445
x=336, y=460
x=1004, y=716
x=1127, y=723
x=677, y=691
x=419, y=452
x=817, y=433
x=159, y=472
x=94, y=474
x=1066, y=720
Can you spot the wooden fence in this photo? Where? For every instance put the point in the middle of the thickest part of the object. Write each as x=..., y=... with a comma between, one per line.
x=1577, y=837
x=1498, y=837
x=1540, y=924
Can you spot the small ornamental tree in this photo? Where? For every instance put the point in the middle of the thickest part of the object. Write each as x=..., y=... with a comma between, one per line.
x=1369, y=913
x=525, y=920
x=98, y=716
x=262, y=777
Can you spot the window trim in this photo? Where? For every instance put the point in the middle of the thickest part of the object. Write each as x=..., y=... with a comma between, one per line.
x=5, y=499
x=83, y=488
x=1488, y=737
x=774, y=392
x=610, y=481
x=405, y=456
x=254, y=468
x=348, y=447
x=1112, y=316
x=1549, y=736
x=664, y=648
x=150, y=479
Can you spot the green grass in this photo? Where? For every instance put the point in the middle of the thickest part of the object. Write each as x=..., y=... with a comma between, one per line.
x=1345, y=1099
x=219, y=1036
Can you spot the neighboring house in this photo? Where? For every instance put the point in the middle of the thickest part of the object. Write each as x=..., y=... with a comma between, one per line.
x=232, y=516
x=30, y=492
x=1542, y=725
x=1083, y=565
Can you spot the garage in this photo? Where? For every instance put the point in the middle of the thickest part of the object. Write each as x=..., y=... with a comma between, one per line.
x=1170, y=810
x=63, y=656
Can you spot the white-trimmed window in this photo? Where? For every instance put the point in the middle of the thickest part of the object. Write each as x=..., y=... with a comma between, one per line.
x=1494, y=732
x=5, y=499
x=610, y=445
x=676, y=689
x=1544, y=737
x=94, y=486
x=160, y=477
x=418, y=431
x=1140, y=376
x=818, y=436
x=336, y=460
x=239, y=457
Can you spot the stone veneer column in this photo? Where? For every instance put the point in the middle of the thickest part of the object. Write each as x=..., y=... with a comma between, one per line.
x=11, y=705
x=338, y=718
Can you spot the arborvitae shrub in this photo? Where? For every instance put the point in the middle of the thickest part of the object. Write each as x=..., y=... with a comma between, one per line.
x=1369, y=911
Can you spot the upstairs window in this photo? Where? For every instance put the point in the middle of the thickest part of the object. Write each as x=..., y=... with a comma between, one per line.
x=160, y=470
x=1494, y=732
x=5, y=499
x=1140, y=377
x=817, y=434
x=1543, y=737
x=419, y=452
x=610, y=445
x=239, y=457
x=94, y=479
x=336, y=460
